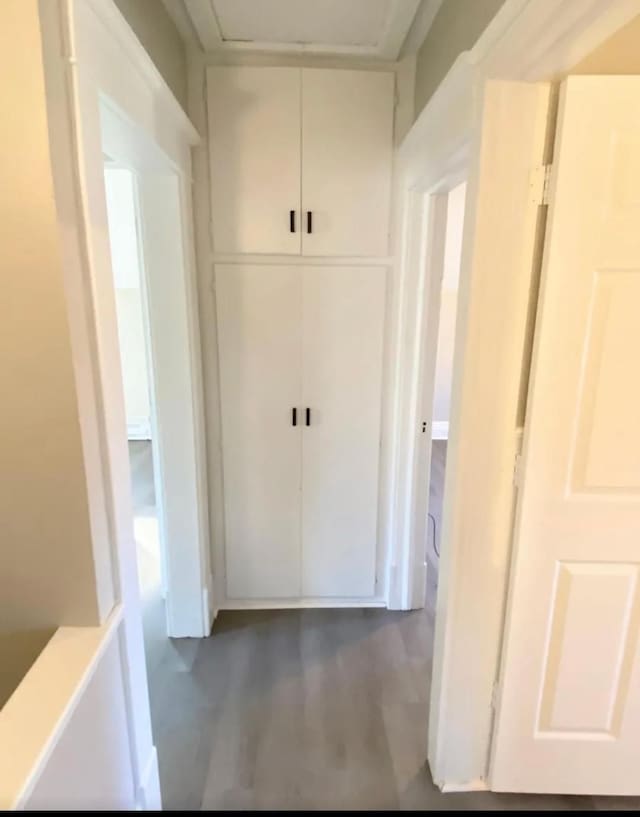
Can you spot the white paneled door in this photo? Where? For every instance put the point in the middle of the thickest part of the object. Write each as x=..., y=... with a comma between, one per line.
x=347, y=143
x=343, y=328
x=254, y=148
x=260, y=337
x=568, y=717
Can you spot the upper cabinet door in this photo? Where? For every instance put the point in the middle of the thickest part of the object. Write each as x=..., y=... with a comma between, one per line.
x=347, y=143
x=254, y=138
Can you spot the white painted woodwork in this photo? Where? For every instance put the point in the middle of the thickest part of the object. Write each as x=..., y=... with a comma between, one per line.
x=182, y=516
x=343, y=329
x=433, y=212
x=300, y=502
x=569, y=708
x=89, y=760
x=307, y=139
x=347, y=143
x=260, y=341
x=254, y=148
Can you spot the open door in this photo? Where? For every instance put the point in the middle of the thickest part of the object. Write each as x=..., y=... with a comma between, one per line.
x=568, y=711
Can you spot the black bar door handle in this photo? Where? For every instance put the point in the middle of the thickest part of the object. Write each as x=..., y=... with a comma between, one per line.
x=294, y=416
x=309, y=222
x=307, y=419
x=292, y=221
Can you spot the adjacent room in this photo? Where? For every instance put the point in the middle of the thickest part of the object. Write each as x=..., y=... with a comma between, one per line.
x=135, y=356
x=444, y=313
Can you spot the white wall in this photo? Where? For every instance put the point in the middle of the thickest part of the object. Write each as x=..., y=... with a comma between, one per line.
x=125, y=259
x=449, y=304
x=90, y=764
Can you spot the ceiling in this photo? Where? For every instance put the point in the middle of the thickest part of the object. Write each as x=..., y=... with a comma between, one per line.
x=364, y=28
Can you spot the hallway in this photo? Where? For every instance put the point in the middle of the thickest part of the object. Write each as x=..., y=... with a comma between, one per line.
x=305, y=709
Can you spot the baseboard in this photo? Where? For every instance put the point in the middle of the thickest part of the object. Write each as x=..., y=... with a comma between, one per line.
x=209, y=608
x=440, y=430
x=472, y=785
x=139, y=428
x=298, y=604
x=149, y=797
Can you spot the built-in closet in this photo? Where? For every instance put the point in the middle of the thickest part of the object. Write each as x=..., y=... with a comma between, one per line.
x=300, y=165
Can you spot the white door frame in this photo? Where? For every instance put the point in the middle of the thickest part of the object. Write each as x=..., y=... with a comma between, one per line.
x=534, y=41
x=112, y=120
x=92, y=57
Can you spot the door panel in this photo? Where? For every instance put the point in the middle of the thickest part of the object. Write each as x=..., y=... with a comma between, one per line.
x=347, y=142
x=343, y=320
x=569, y=710
x=254, y=138
x=260, y=340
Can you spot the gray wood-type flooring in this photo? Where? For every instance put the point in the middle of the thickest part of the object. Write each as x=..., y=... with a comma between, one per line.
x=307, y=709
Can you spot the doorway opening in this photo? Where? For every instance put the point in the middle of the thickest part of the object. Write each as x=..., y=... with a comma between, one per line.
x=154, y=389
x=132, y=313
x=442, y=313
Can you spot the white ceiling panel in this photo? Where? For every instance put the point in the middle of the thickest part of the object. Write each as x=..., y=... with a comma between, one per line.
x=374, y=28
x=330, y=22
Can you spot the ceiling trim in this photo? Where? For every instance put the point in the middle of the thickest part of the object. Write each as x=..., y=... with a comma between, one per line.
x=396, y=27
x=205, y=22
x=398, y=22
x=420, y=26
x=182, y=21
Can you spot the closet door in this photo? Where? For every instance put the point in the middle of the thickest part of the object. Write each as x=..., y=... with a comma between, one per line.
x=260, y=338
x=254, y=138
x=343, y=326
x=347, y=143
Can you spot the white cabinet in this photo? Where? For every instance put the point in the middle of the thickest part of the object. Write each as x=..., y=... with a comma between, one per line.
x=300, y=160
x=254, y=133
x=260, y=337
x=347, y=133
x=300, y=500
x=343, y=327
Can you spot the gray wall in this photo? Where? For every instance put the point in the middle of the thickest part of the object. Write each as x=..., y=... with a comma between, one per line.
x=455, y=29
x=158, y=34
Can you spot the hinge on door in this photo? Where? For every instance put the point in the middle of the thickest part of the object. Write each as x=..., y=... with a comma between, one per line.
x=539, y=180
x=517, y=470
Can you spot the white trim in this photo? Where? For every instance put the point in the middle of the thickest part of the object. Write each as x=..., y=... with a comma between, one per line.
x=473, y=785
x=90, y=56
x=114, y=28
x=300, y=604
x=420, y=27
x=307, y=260
x=178, y=13
x=432, y=158
x=399, y=20
x=440, y=430
x=41, y=707
x=205, y=23
x=533, y=40
x=148, y=796
x=139, y=428
x=541, y=40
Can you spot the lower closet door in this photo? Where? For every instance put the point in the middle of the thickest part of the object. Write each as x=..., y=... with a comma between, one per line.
x=260, y=338
x=343, y=330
